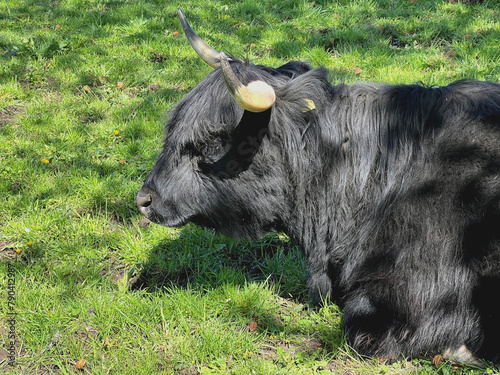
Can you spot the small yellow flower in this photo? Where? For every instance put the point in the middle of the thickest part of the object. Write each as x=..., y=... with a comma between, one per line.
x=45, y=161
x=30, y=243
x=117, y=132
x=18, y=251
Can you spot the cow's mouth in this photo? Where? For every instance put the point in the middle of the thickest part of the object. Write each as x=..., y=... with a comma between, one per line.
x=170, y=222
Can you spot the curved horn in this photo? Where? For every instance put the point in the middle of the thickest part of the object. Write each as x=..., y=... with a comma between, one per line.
x=206, y=53
x=257, y=96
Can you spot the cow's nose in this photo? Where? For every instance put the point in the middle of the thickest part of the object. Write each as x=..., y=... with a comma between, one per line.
x=143, y=202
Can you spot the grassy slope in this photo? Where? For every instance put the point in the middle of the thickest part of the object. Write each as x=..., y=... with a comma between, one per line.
x=84, y=87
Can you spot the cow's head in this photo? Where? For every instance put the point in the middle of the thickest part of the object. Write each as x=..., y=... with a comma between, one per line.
x=219, y=166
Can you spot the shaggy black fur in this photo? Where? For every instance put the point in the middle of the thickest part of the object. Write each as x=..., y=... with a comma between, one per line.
x=392, y=191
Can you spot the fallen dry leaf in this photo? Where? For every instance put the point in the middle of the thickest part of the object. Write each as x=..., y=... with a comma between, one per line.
x=81, y=363
x=86, y=88
x=437, y=360
x=120, y=85
x=358, y=71
x=252, y=326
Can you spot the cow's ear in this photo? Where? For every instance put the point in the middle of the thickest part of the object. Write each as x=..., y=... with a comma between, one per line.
x=245, y=143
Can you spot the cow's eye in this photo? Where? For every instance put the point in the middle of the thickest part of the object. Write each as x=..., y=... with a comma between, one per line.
x=191, y=150
x=210, y=151
x=207, y=152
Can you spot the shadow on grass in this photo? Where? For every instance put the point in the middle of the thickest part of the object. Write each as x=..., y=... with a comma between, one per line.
x=201, y=259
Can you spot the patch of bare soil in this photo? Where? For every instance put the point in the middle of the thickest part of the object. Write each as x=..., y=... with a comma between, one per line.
x=308, y=345
x=115, y=270
x=10, y=114
x=188, y=371
x=7, y=250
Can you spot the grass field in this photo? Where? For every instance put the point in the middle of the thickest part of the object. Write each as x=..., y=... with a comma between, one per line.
x=85, y=87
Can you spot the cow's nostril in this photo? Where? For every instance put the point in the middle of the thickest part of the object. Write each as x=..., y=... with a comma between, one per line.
x=143, y=202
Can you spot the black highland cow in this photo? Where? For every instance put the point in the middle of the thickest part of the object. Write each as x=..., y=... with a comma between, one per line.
x=392, y=191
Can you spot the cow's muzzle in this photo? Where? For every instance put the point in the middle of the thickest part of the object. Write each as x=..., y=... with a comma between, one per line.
x=144, y=203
